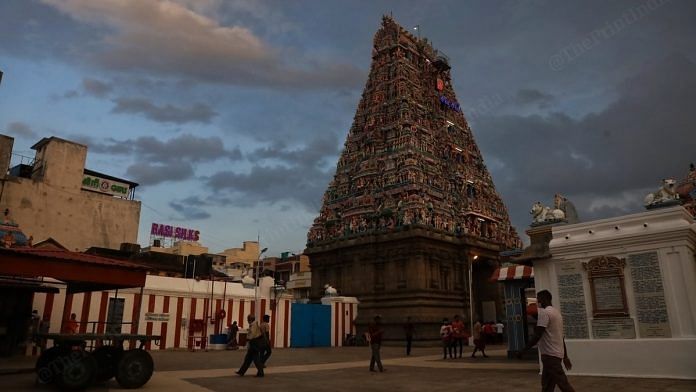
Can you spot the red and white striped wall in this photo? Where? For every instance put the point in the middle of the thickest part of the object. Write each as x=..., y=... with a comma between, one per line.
x=344, y=310
x=179, y=299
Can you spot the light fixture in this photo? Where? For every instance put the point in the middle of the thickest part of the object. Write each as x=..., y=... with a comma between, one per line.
x=475, y=257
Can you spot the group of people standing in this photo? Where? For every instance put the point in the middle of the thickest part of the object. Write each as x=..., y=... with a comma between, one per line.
x=454, y=335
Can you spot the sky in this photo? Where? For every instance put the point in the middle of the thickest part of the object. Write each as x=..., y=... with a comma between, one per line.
x=231, y=115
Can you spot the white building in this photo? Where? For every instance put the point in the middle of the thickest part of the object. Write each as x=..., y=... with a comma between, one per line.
x=626, y=287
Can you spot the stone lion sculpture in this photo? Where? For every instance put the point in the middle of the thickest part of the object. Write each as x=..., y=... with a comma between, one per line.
x=667, y=193
x=542, y=214
x=330, y=291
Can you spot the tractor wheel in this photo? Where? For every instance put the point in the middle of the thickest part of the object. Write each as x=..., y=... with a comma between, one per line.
x=79, y=370
x=47, y=366
x=134, y=368
x=107, y=361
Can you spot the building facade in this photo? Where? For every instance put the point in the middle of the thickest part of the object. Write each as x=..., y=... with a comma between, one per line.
x=55, y=196
x=626, y=288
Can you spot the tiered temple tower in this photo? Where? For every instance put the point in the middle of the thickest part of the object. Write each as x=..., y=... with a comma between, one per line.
x=411, y=205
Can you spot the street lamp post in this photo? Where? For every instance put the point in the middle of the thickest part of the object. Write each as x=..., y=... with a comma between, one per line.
x=257, y=306
x=471, y=294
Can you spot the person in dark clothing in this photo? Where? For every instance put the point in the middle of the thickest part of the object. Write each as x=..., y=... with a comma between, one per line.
x=409, y=328
x=232, y=337
x=256, y=341
x=266, y=328
x=375, y=333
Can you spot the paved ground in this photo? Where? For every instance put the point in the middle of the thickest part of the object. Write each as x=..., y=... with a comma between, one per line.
x=345, y=369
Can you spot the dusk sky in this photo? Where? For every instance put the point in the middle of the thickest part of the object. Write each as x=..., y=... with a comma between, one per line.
x=232, y=114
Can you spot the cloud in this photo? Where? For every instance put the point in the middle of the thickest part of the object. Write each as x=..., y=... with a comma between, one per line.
x=271, y=184
x=147, y=173
x=159, y=161
x=188, y=211
x=165, y=37
x=21, y=130
x=313, y=154
x=529, y=96
x=606, y=161
x=167, y=114
x=96, y=87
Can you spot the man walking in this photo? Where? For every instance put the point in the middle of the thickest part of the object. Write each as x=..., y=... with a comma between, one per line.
x=375, y=333
x=408, y=330
x=253, y=354
x=266, y=328
x=479, y=341
x=548, y=333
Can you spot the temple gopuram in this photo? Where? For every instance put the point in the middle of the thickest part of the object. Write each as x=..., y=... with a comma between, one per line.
x=412, y=205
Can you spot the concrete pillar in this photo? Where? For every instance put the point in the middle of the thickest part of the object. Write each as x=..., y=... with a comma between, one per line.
x=6, y=144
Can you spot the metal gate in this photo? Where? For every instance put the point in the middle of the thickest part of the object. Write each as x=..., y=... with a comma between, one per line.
x=311, y=325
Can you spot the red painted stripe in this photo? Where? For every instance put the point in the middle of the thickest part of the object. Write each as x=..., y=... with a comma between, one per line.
x=286, y=323
x=272, y=325
x=241, y=314
x=229, y=311
x=103, y=305
x=48, y=307
x=149, y=325
x=163, y=332
x=510, y=273
x=528, y=271
x=135, y=321
x=218, y=324
x=343, y=321
x=350, y=316
x=67, y=310
x=177, y=326
x=192, y=316
x=336, y=310
x=263, y=309
x=206, y=308
x=84, y=315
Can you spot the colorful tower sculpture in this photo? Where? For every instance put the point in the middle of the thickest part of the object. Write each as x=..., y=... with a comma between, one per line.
x=412, y=206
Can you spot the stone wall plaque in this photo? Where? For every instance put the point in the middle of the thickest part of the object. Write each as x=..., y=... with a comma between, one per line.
x=607, y=286
x=571, y=297
x=648, y=290
x=613, y=328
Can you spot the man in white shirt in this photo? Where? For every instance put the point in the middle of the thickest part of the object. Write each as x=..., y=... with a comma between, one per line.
x=548, y=333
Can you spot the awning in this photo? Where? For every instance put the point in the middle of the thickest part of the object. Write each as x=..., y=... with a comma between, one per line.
x=81, y=272
x=26, y=284
x=513, y=273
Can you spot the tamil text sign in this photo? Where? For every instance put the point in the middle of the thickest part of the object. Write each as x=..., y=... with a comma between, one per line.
x=101, y=185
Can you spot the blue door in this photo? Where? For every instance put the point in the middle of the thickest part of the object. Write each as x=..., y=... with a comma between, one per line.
x=311, y=325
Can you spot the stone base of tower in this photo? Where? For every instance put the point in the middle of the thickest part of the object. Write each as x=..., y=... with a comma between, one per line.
x=411, y=272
